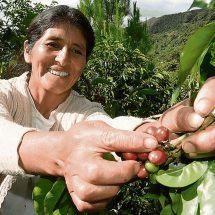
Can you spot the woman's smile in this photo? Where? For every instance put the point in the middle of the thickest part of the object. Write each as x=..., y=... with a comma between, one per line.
x=58, y=73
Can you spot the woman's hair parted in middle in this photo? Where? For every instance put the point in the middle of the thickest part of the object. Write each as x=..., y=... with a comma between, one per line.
x=61, y=14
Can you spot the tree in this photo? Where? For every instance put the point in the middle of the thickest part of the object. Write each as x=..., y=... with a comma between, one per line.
x=107, y=17
x=136, y=31
x=17, y=15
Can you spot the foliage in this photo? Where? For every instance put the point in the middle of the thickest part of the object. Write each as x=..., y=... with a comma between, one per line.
x=188, y=184
x=200, y=65
x=107, y=18
x=136, y=32
x=123, y=80
x=169, y=35
x=204, y=4
x=17, y=15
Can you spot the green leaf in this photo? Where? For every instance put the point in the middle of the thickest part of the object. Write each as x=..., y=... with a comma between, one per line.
x=64, y=200
x=61, y=211
x=72, y=211
x=159, y=75
x=167, y=210
x=189, y=198
x=162, y=200
x=195, y=49
x=146, y=91
x=182, y=177
x=109, y=156
x=176, y=202
x=101, y=81
x=175, y=95
x=206, y=191
x=53, y=196
x=150, y=196
x=43, y=186
x=199, y=3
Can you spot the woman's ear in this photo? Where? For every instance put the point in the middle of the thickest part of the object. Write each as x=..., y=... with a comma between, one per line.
x=27, y=52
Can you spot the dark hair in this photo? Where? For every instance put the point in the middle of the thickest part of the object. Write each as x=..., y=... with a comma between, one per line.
x=57, y=15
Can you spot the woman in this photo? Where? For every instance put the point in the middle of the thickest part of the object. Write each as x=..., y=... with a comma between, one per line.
x=50, y=129
x=41, y=120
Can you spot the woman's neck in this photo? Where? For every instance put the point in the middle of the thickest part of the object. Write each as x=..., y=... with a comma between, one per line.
x=45, y=102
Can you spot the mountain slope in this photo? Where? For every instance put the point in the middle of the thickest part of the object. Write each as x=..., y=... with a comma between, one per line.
x=169, y=33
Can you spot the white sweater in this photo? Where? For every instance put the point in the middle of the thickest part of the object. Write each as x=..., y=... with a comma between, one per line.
x=16, y=120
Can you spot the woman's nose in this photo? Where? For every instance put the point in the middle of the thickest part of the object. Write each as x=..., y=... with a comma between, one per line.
x=62, y=57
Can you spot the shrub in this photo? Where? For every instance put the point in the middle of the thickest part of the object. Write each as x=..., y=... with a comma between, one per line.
x=124, y=80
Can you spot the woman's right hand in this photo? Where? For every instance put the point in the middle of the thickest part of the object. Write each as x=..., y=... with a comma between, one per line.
x=77, y=155
x=91, y=180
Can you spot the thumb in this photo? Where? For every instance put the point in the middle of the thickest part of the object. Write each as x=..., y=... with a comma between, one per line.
x=205, y=100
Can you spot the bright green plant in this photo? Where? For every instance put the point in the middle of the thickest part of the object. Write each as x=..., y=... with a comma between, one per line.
x=123, y=80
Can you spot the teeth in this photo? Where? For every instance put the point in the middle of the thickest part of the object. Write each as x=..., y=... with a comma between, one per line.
x=59, y=73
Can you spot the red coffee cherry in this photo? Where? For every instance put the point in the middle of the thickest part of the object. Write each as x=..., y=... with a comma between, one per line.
x=129, y=156
x=143, y=156
x=157, y=157
x=143, y=173
x=162, y=134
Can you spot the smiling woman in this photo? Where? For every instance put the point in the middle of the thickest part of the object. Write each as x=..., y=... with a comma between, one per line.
x=49, y=128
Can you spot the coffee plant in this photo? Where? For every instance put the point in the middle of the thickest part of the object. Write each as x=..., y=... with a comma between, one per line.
x=122, y=80
x=180, y=186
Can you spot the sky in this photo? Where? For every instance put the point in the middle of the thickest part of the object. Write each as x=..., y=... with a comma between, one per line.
x=148, y=8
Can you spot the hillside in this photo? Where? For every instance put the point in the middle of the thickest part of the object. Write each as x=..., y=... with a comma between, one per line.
x=169, y=33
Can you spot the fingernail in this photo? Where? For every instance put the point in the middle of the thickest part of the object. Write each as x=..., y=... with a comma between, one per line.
x=203, y=107
x=195, y=120
x=150, y=143
x=189, y=147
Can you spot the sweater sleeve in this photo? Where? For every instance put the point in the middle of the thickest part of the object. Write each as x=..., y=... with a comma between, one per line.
x=11, y=135
x=94, y=111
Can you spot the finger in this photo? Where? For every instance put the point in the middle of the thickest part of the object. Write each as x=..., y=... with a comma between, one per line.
x=116, y=140
x=127, y=141
x=200, y=142
x=205, y=100
x=200, y=155
x=103, y=172
x=91, y=193
x=83, y=206
x=182, y=118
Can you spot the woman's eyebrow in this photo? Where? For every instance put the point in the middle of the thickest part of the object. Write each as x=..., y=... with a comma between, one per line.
x=53, y=37
x=58, y=38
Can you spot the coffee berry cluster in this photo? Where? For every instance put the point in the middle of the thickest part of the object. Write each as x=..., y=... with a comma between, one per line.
x=151, y=161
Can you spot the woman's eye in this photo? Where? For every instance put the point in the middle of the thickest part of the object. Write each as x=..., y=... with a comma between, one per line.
x=76, y=51
x=53, y=45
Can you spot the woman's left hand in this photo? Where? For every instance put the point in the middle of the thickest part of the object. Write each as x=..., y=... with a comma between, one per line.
x=202, y=144
x=185, y=118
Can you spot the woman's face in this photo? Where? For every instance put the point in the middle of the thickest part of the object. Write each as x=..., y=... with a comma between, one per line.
x=57, y=58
